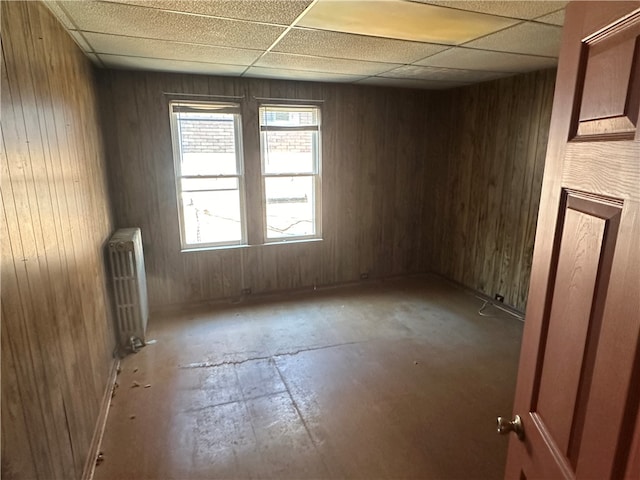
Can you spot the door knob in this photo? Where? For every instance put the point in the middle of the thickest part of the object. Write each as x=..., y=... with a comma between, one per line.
x=505, y=426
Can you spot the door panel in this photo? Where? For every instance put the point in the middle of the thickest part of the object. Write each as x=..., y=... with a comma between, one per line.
x=610, y=81
x=582, y=248
x=578, y=391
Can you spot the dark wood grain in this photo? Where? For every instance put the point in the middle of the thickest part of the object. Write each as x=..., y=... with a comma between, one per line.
x=484, y=184
x=408, y=186
x=57, y=338
x=373, y=171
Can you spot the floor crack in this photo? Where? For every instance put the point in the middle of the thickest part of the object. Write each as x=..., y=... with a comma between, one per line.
x=266, y=357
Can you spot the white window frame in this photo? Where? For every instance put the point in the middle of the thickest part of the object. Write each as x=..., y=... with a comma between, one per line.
x=213, y=107
x=316, y=173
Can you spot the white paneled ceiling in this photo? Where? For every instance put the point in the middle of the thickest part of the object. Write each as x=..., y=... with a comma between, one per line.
x=415, y=44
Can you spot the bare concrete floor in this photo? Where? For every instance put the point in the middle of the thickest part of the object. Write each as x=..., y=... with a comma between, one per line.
x=400, y=379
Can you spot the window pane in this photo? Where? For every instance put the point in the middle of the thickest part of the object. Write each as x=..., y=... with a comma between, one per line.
x=212, y=216
x=207, y=143
x=288, y=116
x=289, y=152
x=209, y=184
x=290, y=206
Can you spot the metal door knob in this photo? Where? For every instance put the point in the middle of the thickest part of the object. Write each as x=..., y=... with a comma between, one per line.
x=505, y=426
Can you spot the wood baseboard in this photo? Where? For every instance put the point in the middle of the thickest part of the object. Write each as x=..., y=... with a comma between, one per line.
x=273, y=294
x=96, y=439
x=511, y=310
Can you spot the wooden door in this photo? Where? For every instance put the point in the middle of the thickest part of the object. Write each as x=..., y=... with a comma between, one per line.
x=578, y=387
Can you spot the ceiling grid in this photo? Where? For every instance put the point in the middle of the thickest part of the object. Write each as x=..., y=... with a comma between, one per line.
x=402, y=43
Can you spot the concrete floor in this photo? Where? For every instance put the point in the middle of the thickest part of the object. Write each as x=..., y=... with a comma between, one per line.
x=400, y=379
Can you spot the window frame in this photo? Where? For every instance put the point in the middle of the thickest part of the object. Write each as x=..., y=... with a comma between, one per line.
x=316, y=173
x=234, y=108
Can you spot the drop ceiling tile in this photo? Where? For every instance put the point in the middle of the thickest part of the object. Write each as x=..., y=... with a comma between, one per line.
x=525, y=10
x=409, y=83
x=470, y=59
x=531, y=38
x=322, y=64
x=143, y=47
x=442, y=74
x=162, y=65
x=281, y=12
x=357, y=47
x=120, y=19
x=555, y=18
x=402, y=20
x=279, y=73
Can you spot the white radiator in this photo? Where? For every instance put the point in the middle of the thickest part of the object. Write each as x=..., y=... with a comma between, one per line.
x=130, y=287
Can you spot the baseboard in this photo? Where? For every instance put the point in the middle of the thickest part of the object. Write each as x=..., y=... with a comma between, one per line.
x=96, y=439
x=482, y=296
x=274, y=294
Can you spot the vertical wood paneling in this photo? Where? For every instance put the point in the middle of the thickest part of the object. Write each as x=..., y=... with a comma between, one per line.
x=412, y=182
x=373, y=169
x=485, y=185
x=57, y=338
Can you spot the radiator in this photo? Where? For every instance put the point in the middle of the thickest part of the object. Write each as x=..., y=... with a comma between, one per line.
x=129, y=286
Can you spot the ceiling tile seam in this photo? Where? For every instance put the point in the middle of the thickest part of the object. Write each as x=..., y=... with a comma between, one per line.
x=464, y=69
x=417, y=42
x=428, y=80
x=446, y=68
x=517, y=19
x=80, y=32
x=390, y=70
x=549, y=13
x=483, y=50
x=169, y=59
x=360, y=80
x=449, y=46
x=353, y=60
x=226, y=47
x=493, y=33
x=192, y=14
x=429, y=56
x=389, y=38
x=283, y=34
x=508, y=51
x=180, y=42
x=537, y=22
x=511, y=53
x=395, y=65
x=322, y=72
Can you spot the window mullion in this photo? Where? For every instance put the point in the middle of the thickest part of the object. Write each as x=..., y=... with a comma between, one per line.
x=253, y=184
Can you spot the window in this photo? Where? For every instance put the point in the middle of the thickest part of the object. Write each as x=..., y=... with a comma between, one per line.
x=209, y=181
x=290, y=154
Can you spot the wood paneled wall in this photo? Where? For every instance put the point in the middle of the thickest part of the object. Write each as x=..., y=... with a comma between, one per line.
x=57, y=335
x=412, y=182
x=374, y=162
x=485, y=180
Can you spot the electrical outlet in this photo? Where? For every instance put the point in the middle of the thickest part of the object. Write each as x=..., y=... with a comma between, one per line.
x=245, y=291
x=364, y=276
x=499, y=298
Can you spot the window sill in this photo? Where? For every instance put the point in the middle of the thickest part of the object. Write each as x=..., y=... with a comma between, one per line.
x=245, y=246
